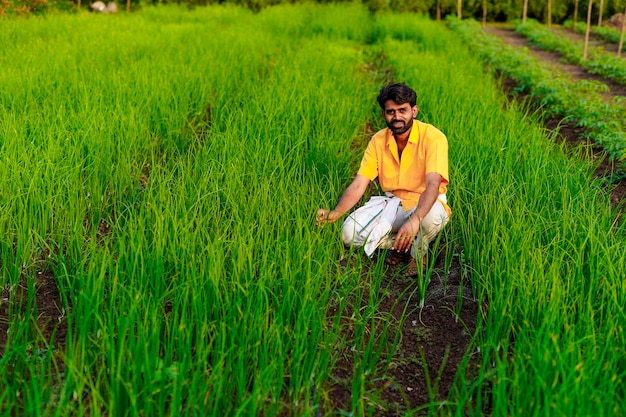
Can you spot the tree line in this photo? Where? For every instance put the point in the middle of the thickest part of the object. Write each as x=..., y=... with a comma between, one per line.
x=545, y=11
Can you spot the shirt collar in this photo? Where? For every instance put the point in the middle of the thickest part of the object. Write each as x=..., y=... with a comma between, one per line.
x=413, y=136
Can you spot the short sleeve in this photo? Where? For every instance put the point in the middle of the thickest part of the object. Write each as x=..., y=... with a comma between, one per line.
x=437, y=157
x=369, y=163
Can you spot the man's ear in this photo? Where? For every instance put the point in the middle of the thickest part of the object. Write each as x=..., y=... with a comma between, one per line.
x=415, y=111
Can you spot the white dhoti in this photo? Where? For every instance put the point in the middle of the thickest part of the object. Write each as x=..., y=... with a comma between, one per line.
x=376, y=223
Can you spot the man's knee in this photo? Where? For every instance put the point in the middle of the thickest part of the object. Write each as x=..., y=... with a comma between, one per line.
x=349, y=233
x=433, y=225
x=435, y=220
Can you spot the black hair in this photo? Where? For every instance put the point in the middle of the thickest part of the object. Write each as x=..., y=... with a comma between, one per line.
x=399, y=93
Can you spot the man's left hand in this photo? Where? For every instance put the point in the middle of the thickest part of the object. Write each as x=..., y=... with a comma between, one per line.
x=406, y=235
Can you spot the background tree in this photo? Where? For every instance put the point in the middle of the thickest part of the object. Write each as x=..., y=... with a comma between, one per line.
x=445, y=7
x=546, y=11
x=504, y=10
x=484, y=12
x=409, y=6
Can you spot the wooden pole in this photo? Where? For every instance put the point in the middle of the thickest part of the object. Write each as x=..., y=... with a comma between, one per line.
x=127, y=6
x=575, y=11
x=549, y=13
x=621, y=36
x=524, y=11
x=438, y=10
x=600, y=15
x=484, y=13
x=588, y=29
x=459, y=7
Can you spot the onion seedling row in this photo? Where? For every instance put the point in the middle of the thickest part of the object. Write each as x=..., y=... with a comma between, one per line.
x=598, y=61
x=579, y=102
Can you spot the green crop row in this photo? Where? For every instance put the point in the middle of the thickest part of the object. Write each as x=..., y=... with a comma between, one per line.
x=530, y=256
x=580, y=102
x=605, y=32
x=202, y=139
x=597, y=62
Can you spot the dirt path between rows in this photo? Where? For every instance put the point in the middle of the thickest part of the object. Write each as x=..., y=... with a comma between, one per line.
x=577, y=73
x=568, y=131
x=594, y=40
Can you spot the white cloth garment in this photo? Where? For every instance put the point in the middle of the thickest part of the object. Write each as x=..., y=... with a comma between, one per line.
x=381, y=213
x=374, y=225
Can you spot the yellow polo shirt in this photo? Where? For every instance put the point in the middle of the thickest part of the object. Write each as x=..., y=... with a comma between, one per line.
x=426, y=151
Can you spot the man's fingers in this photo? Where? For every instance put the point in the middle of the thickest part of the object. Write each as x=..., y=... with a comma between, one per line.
x=322, y=216
x=402, y=243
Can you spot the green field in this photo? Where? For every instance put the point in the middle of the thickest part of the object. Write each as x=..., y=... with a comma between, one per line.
x=164, y=167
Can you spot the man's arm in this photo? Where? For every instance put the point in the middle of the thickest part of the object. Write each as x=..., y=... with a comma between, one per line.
x=408, y=231
x=350, y=197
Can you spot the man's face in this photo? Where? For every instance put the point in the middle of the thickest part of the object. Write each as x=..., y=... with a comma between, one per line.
x=399, y=117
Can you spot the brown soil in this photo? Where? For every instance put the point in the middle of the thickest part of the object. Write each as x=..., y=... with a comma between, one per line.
x=46, y=315
x=432, y=342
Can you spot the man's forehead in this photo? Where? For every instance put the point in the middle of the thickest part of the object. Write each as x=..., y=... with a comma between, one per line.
x=390, y=104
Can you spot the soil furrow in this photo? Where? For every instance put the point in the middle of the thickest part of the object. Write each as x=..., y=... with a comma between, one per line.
x=576, y=72
x=567, y=131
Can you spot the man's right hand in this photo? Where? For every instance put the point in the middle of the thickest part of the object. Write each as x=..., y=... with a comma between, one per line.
x=350, y=197
x=326, y=216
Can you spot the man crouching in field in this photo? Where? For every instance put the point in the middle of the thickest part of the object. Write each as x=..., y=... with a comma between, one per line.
x=410, y=160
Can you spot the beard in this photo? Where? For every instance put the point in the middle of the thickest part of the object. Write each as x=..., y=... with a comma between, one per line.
x=401, y=126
